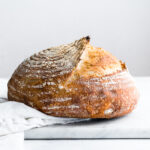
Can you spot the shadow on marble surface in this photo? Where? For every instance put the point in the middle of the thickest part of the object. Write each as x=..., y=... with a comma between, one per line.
x=91, y=121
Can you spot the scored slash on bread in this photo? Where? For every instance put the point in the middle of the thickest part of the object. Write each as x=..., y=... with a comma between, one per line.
x=74, y=80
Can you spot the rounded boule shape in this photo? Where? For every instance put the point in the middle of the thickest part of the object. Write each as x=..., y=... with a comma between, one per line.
x=74, y=80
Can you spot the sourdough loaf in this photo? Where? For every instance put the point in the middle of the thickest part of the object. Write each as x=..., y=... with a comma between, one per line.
x=74, y=80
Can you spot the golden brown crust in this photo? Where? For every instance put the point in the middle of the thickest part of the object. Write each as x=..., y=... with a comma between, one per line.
x=74, y=80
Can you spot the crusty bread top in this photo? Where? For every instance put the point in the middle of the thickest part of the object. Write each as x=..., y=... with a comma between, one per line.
x=68, y=62
x=55, y=61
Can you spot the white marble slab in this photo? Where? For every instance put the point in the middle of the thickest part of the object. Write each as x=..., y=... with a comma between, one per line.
x=134, y=125
x=108, y=144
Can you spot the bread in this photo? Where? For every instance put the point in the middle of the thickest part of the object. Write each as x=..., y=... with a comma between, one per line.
x=75, y=80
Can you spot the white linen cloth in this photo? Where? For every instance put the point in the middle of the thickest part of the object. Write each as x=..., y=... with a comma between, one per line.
x=17, y=117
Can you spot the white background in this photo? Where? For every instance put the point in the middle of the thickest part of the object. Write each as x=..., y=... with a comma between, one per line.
x=119, y=26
